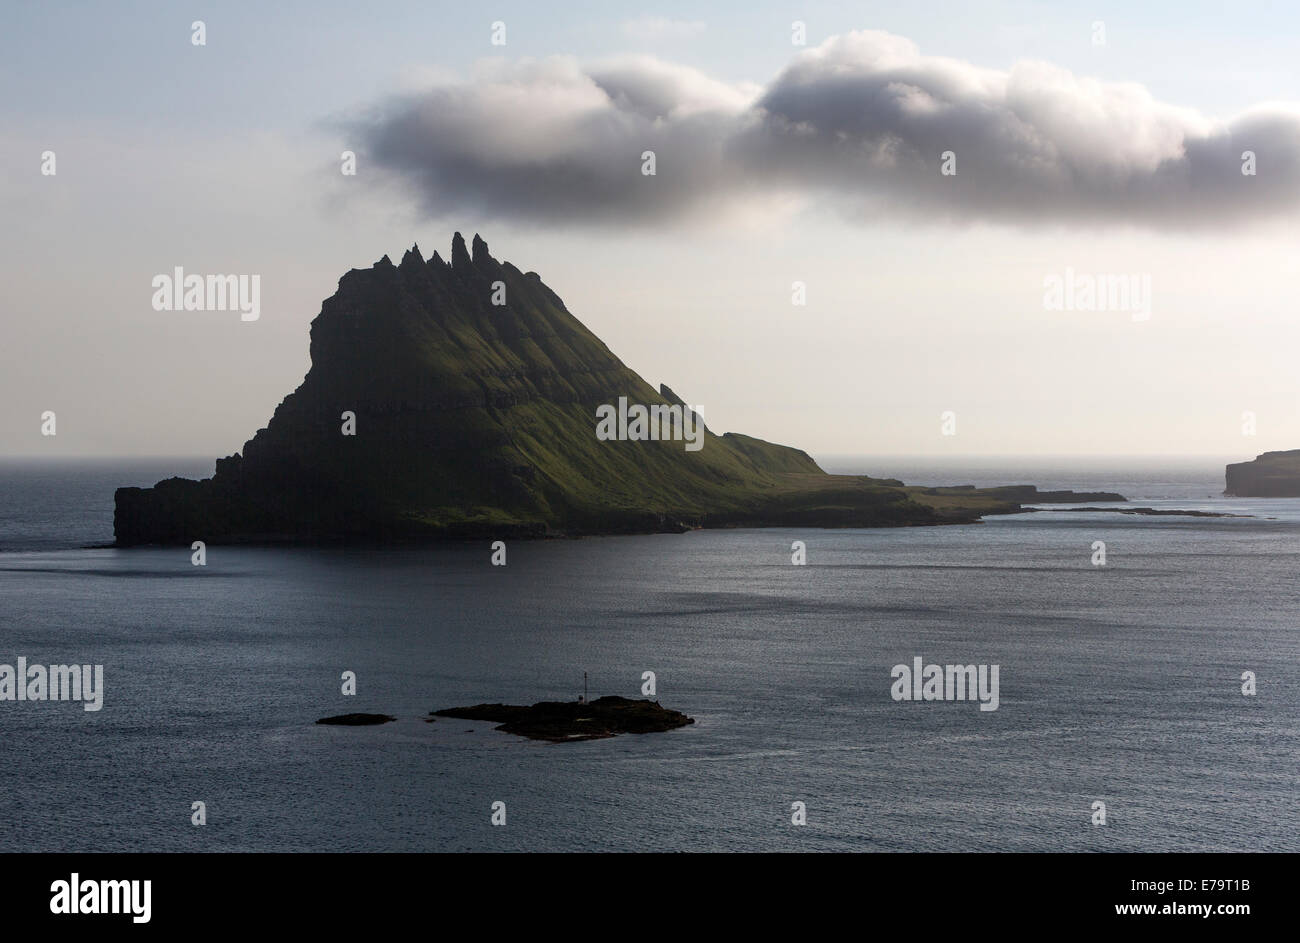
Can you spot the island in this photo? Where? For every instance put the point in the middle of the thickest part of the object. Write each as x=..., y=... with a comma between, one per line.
x=1149, y=512
x=1270, y=475
x=356, y=720
x=461, y=399
x=569, y=721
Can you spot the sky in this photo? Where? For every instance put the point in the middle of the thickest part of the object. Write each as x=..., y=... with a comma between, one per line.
x=928, y=325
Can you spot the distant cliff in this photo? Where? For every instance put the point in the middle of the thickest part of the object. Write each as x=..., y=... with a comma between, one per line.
x=478, y=418
x=1271, y=475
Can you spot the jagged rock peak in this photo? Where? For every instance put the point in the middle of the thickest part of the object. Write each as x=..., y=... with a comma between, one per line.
x=436, y=259
x=459, y=255
x=480, y=249
x=385, y=261
x=413, y=255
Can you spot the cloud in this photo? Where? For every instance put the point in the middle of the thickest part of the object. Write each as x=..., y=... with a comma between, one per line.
x=656, y=28
x=551, y=141
x=859, y=123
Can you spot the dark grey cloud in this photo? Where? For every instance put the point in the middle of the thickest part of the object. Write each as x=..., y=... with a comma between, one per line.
x=861, y=122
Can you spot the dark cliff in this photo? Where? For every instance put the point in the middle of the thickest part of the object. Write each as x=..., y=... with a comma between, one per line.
x=1271, y=475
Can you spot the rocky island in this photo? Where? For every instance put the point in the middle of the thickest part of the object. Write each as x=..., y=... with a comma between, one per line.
x=567, y=721
x=1271, y=475
x=356, y=720
x=1152, y=512
x=459, y=398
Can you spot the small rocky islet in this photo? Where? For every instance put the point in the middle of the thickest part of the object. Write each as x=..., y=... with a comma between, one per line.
x=569, y=721
x=1147, y=512
x=356, y=720
x=552, y=721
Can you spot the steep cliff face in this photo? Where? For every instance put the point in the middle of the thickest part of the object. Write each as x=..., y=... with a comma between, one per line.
x=1271, y=475
x=477, y=418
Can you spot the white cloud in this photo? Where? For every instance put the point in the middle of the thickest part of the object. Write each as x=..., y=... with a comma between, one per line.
x=860, y=121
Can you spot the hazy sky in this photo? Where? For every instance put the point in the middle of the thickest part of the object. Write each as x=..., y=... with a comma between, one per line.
x=776, y=163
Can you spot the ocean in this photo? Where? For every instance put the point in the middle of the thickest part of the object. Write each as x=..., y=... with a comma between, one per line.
x=1119, y=684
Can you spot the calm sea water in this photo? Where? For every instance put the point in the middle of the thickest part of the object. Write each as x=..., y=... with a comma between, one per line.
x=1119, y=684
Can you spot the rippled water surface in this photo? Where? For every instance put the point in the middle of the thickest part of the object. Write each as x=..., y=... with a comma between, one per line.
x=1118, y=683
